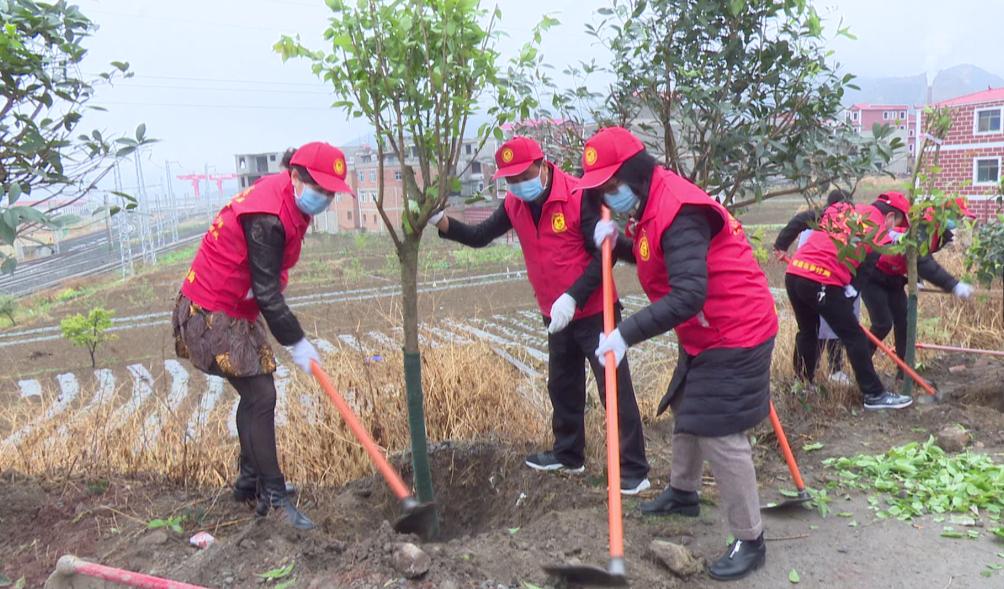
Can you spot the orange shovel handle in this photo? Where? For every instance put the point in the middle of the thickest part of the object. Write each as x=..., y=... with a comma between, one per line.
x=782, y=440
x=376, y=456
x=613, y=434
x=902, y=365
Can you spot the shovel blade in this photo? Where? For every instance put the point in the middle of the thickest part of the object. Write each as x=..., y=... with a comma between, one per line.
x=418, y=519
x=802, y=499
x=587, y=575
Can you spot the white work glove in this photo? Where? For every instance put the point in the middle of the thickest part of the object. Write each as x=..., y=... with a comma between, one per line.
x=896, y=236
x=850, y=292
x=963, y=290
x=303, y=352
x=562, y=312
x=437, y=217
x=602, y=231
x=611, y=343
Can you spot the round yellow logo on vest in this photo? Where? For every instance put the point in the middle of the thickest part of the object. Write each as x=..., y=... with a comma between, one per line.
x=644, y=251
x=558, y=223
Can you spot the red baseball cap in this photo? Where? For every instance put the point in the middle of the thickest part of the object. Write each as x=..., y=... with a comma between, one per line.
x=897, y=201
x=326, y=164
x=515, y=156
x=605, y=152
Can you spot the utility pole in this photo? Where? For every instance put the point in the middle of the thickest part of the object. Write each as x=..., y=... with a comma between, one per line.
x=209, y=198
x=146, y=235
x=108, y=222
x=125, y=239
x=171, y=202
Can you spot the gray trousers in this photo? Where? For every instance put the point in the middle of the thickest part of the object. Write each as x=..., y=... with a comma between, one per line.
x=731, y=460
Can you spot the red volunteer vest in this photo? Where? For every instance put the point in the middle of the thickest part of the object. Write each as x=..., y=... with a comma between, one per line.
x=818, y=261
x=220, y=277
x=895, y=264
x=554, y=252
x=739, y=309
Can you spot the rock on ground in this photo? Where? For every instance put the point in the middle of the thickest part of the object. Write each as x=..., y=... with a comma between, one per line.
x=676, y=558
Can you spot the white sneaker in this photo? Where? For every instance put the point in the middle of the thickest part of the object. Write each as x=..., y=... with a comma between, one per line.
x=634, y=486
x=840, y=377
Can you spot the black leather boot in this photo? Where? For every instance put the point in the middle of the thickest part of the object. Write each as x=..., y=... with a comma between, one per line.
x=274, y=497
x=742, y=558
x=246, y=485
x=673, y=501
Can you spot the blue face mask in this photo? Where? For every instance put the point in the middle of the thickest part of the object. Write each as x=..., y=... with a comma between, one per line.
x=527, y=190
x=624, y=200
x=312, y=202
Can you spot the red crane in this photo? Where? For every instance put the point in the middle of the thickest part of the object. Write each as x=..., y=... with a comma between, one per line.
x=219, y=178
x=196, y=180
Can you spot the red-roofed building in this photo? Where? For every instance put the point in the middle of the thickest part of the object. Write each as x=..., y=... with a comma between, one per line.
x=973, y=152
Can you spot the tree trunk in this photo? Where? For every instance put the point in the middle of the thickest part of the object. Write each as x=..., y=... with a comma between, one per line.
x=94, y=362
x=911, y=315
x=408, y=256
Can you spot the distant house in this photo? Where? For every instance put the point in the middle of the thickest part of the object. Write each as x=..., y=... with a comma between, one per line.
x=972, y=153
x=863, y=117
x=252, y=166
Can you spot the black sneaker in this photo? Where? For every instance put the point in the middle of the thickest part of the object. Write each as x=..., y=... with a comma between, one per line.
x=742, y=558
x=887, y=400
x=673, y=502
x=548, y=461
x=631, y=486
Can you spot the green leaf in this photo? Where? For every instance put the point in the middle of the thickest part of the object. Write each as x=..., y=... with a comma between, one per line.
x=812, y=447
x=512, y=531
x=789, y=493
x=277, y=573
x=793, y=577
x=13, y=193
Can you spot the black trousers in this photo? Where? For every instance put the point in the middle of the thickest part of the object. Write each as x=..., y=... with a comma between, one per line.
x=811, y=300
x=834, y=352
x=566, y=385
x=256, y=423
x=887, y=308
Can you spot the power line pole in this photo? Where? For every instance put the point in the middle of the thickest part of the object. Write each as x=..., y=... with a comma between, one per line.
x=172, y=203
x=146, y=235
x=122, y=222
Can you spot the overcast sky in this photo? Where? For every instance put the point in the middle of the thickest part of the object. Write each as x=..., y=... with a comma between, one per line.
x=208, y=84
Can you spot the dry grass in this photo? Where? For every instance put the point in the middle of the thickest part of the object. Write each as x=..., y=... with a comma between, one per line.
x=469, y=396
